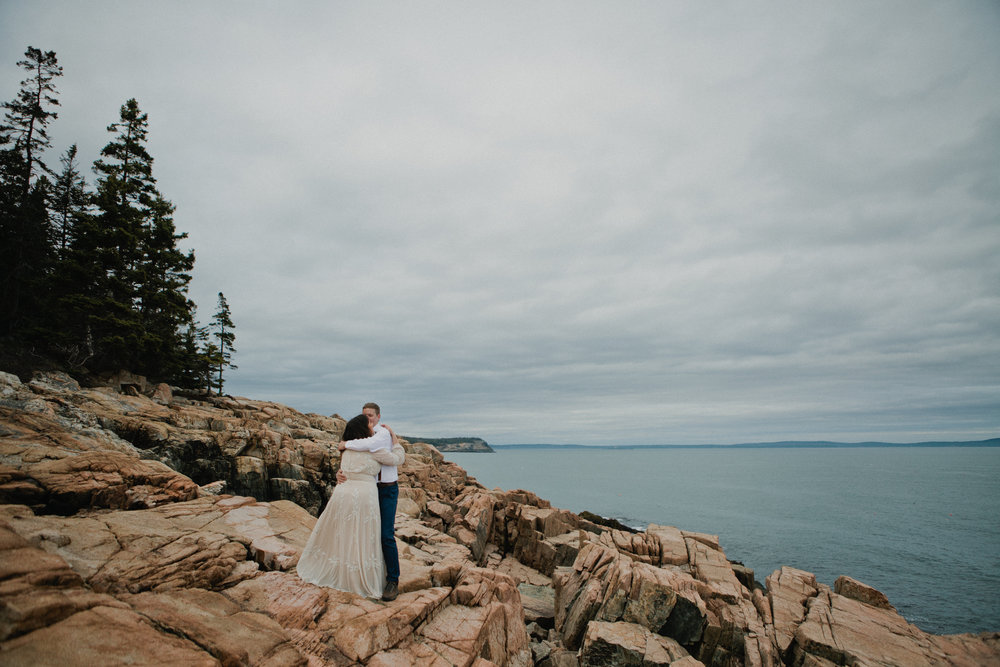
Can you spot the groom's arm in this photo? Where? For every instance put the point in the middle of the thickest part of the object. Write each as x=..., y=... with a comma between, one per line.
x=381, y=440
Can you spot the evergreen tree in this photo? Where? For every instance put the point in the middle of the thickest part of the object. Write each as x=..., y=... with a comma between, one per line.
x=125, y=193
x=69, y=200
x=211, y=356
x=96, y=279
x=68, y=212
x=28, y=263
x=132, y=302
x=28, y=116
x=25, y=243
x=224, y=334
x=198, y=358
x=165, y=311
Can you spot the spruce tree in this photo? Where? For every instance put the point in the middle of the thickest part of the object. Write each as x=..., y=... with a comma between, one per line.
x=133, y=301
x=68, y=212
x=165, y=311
x=28, y=116
x=97, y=279
x=198, y=358
x=25, y=237
x=223, y=333
x=69, y=200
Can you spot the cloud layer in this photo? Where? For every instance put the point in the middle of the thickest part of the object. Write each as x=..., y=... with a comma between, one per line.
x=575, y=222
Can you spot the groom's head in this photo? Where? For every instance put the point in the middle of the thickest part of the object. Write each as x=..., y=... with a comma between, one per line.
x=371, y=410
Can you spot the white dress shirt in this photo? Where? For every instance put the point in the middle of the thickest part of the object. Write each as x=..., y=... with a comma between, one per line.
x=382, y=439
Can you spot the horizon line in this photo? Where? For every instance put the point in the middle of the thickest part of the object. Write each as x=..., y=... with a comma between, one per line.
x=989, y=442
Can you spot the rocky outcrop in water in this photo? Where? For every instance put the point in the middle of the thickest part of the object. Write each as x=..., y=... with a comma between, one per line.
x=148, y=528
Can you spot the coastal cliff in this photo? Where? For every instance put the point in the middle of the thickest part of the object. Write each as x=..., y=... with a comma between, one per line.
x=142, y=527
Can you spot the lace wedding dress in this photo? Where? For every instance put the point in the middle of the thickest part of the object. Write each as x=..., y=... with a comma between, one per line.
x=344, y=550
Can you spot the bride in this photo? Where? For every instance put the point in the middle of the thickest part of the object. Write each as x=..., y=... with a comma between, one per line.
x=344, y=550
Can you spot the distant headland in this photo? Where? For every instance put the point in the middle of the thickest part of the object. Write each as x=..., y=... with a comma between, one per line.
x=454, y=444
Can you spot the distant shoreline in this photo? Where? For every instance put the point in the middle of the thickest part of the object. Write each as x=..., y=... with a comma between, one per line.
x=819, y=444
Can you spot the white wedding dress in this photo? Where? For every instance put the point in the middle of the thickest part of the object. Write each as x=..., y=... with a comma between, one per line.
x=344, y=550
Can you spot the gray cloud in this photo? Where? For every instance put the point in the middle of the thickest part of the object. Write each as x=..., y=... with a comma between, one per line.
x=575, y=222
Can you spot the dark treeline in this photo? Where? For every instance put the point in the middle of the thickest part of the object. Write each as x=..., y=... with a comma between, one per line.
x=91, y=277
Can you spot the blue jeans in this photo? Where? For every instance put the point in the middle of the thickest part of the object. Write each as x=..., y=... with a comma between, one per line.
x=388, y=497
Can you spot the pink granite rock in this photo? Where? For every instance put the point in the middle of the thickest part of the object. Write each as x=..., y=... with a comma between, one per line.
x=630, y=644
x=138, y=570
x=109, y=480
x=218, y=626
x=607, y=586
x=854, y=589
x=103, y=635
x=789, y=591
x=673, y=548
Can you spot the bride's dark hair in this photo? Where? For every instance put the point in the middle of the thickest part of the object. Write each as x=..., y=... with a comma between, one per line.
x=357, y=428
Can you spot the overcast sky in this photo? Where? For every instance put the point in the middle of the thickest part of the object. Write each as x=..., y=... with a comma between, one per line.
x=574, y=222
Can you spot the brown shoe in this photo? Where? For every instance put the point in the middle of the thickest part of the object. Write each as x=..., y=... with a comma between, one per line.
x=391, y=591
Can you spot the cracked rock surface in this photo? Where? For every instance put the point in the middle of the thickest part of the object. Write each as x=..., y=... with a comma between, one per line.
x=145, y=528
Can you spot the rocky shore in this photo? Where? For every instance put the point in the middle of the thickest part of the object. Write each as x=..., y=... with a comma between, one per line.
x=139, y=527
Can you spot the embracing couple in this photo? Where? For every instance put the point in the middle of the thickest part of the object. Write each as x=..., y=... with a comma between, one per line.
x=353, y=544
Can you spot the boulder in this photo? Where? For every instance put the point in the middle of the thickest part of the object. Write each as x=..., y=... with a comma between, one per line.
x=539, y=604
x=641, y=547
x=520, y=572
x=712, y=568
x=9, y=384
x=479, y=617
x=54, y=382
x=672, y=547
x=111, y=480
x=209, y=543
x=475, y=525
x=845, y=631
x=162, y=394
x=605, y=585
x=789, y=591
x=854, y=589
x=630, y=644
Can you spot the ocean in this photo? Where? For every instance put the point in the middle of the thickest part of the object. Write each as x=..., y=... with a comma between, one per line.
x=920, y=524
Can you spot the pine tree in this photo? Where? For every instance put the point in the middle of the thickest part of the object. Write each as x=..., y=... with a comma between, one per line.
x=25, y=244
x=224, y=334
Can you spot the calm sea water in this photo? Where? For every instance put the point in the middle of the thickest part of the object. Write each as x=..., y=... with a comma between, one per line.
x=922, y=525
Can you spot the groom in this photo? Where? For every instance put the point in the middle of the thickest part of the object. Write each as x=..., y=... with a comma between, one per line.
x=388, y=497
